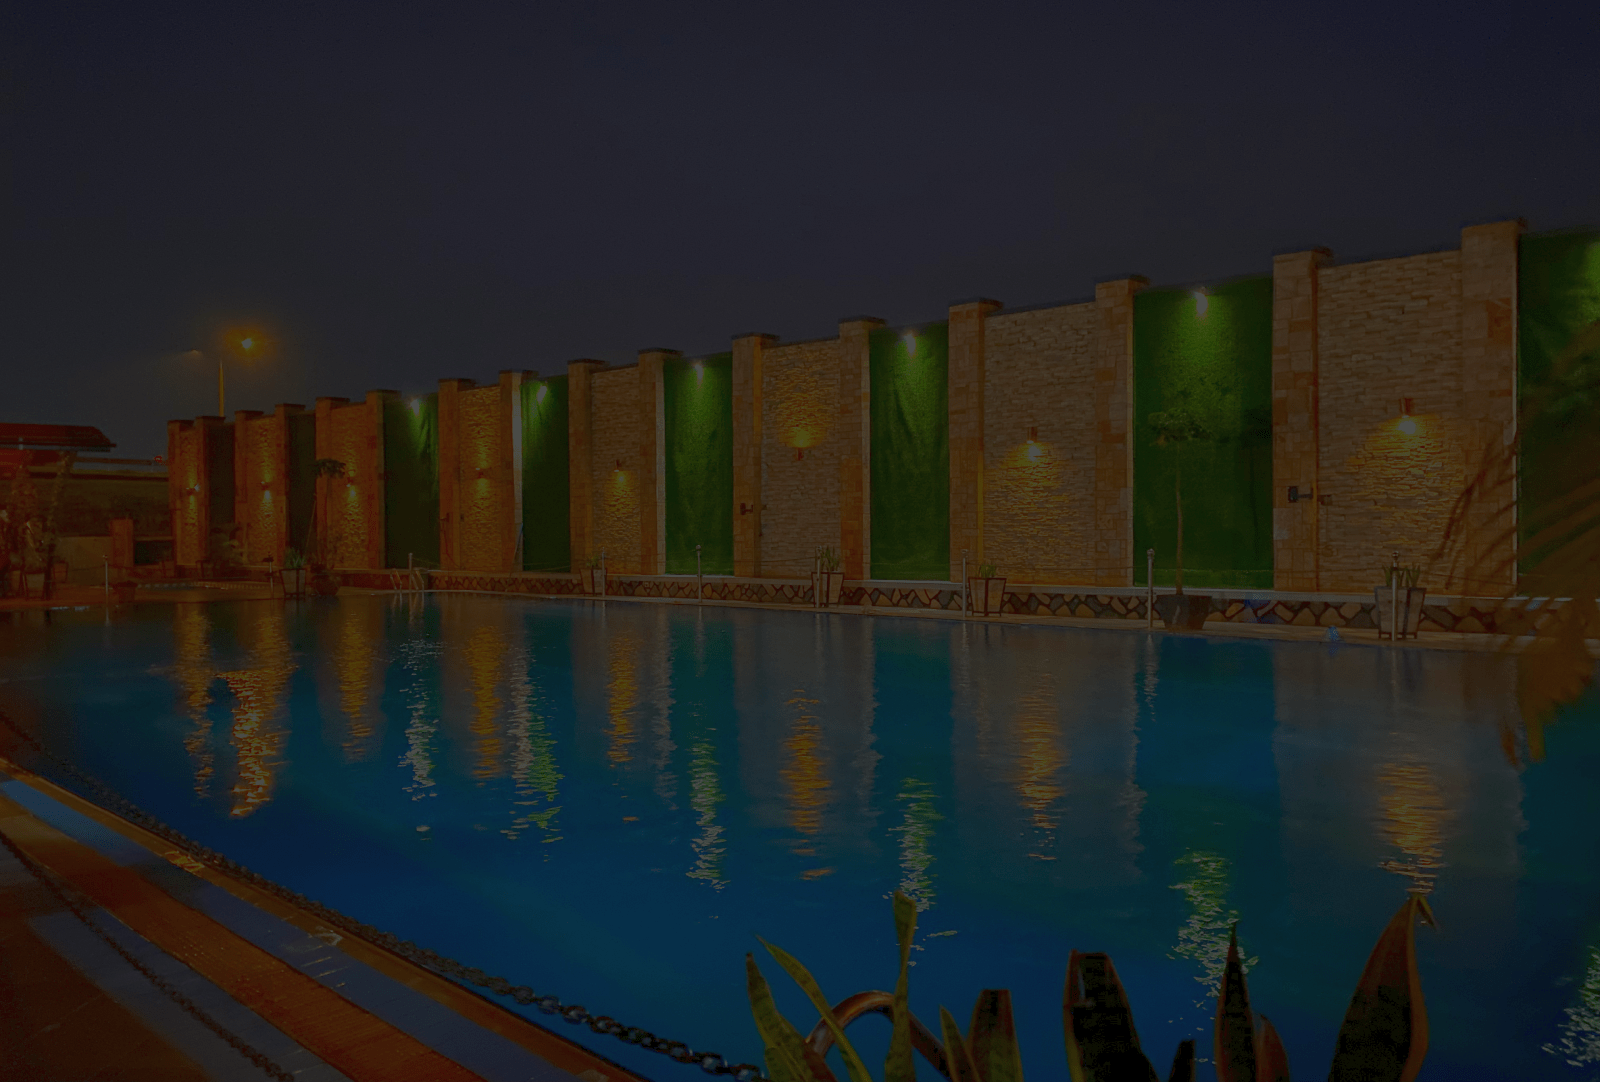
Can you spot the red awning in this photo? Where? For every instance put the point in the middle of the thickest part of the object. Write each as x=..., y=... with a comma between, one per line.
x=54, y=437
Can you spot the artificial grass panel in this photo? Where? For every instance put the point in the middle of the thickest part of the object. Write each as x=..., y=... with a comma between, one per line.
x=910, y=416
x=699, y=464
x=546, y=508
x=1218, y=365
x=411, y=481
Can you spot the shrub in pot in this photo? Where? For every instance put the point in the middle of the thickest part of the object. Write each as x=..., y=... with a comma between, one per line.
x=1400, y=590
x=830, y=576
x=594, y=576
x=986, y=591
x=294, y=573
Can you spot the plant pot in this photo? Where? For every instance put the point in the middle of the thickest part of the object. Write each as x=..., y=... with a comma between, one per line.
x=1410, y=600
x=294, y=582
x=986, y=596
x=325, y=584
x=830, y=585
x=1185, y=611
x=594, y=580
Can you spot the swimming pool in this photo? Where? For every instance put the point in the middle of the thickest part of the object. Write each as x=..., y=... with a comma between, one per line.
x=609, y=801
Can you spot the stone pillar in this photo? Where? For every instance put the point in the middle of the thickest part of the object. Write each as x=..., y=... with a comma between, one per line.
x=183, y=489
x=371, y=477
x=653, y=460
x=122, y=544
x=511, y=449
x=855, y=436
x=275, y=475
x=246, y=481
x=1489, y=401
x=1113, y=413
x=1296, y=527
x=325, y=448
x=966, y=430
x=580, y=459
x=450, y=471
x=747, y=361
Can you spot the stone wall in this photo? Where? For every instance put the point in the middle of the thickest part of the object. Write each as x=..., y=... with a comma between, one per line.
x=1040, y=436
x=347, y=435
x=618, y=438
x=483, y=468
x=800, y=454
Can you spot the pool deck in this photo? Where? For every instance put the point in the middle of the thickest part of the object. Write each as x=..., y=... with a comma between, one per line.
x=86, y=597
x=319, y=1004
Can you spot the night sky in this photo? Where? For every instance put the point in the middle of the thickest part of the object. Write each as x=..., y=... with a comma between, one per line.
x=398, y=193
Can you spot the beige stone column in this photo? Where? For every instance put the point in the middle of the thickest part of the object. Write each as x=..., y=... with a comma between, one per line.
x=1489, y=400
x=370, y=476
x=747, y=361
x=325, y=448
x=1296, y=421
x=855, y=434
x=276, y=475
x=966, y=430
x=1112, y=529
x=580, y=458
x=188, y=490
x=653, y=460
x=450, y=471
x=246, y=480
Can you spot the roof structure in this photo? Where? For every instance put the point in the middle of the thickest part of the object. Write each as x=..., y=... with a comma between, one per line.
x=53, y=437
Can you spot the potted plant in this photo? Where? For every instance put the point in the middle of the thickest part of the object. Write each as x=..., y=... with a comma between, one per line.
x=1177, y=428
x=1400, y=590
x=594, y=576
x=830, y=578
x=986, y=591
x=294, y=573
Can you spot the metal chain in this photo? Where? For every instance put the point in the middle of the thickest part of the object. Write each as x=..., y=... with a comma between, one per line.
x=709, y=1062
x=76, y=906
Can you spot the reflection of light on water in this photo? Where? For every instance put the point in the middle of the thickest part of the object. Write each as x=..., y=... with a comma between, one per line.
x=623, y=689
x=485, y=651
x=705, y=794
x=1580, y=1033
x=806, y=775
x=916, y=831
x=533, y=762
x=1414, y=820
x=1204, y=936
x=1039, y=759
x=257, y=738
x=417, y=657
x=353, y=658
x=191, y=628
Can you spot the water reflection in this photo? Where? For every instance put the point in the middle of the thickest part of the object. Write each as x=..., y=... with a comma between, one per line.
x=916, y=833
x=258, y=689
x=359, y=668
x=1203, y=938
x=1579, y=1045
x=705, y=794
x=191, y=640
x=485, y=653
x=1040, y=759
x=806, y=774
x=419, y=658
x=1414, y=818
x=534, y=772
x=622, y=696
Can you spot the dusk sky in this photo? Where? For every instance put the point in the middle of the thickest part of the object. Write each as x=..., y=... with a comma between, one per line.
x=399, y=193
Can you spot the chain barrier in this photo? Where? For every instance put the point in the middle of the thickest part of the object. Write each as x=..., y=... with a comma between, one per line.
x=77, y=906
x=709, y=1062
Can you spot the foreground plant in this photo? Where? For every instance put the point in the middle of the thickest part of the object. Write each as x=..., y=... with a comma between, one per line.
x=1384, y=1037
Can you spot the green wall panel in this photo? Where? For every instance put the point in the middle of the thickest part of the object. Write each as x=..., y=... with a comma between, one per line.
x=411, y=480
x=911, y=452
x=699, y=466
x=1217, y=364
x=1558, y=295
x=302, y=477
x=546, y=507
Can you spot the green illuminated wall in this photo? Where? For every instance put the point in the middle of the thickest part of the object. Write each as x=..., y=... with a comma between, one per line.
x=699, y=466
x=1218, y=365
x=302, y=477
x=910, y=452
x=546, y=538
x=411, y=480
x=1558, y=295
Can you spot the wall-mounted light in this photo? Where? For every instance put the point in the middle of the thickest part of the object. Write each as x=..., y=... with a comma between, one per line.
x=416, y=406
x=1201, y=303
x=699, y=371
x=1033, y=434
x=910, y=341
x=544, y=389
x=1406, y=425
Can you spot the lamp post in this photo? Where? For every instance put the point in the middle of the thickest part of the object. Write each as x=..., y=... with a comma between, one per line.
x=248, y=345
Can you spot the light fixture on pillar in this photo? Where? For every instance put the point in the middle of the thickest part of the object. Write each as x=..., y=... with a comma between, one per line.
x=910, y=341
x=544, y=389
x=1406, y=425
x=1201, y=303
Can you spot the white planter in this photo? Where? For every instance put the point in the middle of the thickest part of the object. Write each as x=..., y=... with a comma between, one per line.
x=1410, y=600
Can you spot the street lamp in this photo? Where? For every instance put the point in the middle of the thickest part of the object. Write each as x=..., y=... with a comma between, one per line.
x=247, y=344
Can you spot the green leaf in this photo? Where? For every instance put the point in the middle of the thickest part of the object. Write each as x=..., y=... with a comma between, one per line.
x=956, y=1053
x=808, y=984
x=1233, y=1042
x=992, y=1038
x=1102, y=1044
x=789, y=1059
x=1385, y=1033
x=898, y=1066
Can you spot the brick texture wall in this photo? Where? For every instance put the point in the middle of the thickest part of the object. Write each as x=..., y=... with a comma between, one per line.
x=800, y=455
x=481, y=476
x=618, y=437
x=1039, y=497
x=1388, y=329
x=349, y=440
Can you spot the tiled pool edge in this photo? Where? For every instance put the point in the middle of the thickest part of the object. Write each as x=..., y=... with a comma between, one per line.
x=455, y=1022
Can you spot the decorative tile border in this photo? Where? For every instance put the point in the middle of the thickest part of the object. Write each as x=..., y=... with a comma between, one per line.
x=1465, y=615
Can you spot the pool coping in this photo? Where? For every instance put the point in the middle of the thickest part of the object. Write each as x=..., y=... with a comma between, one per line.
x=458, y=1015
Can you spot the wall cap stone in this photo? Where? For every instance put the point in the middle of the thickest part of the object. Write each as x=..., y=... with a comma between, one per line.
x=862, y=319
x=756, y=334
x=975, y=300
x=663, y=350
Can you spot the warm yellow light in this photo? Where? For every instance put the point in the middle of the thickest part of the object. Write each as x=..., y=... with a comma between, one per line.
x=1034, y=450
x=699, y=372
x=247, y=344
x=911, y=345
x=1201, y=302
x=416, y=406
x=544, y=389
x=1408, y=426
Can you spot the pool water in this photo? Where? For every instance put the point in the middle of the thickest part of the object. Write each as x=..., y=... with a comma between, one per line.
x=608, y=802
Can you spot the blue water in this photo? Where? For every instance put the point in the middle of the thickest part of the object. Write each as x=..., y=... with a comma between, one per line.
x=609, y=803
